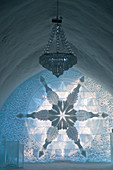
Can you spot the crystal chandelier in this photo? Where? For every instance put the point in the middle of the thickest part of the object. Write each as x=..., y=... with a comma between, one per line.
x=57, y=56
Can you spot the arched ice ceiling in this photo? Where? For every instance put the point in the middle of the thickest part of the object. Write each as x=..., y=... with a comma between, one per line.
x=24, y=30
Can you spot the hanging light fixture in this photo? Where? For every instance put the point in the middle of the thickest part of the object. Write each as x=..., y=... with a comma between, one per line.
x=57, y=56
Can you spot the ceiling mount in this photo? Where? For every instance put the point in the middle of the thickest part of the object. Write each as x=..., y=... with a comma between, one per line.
x=57, y=19
x=57, y=56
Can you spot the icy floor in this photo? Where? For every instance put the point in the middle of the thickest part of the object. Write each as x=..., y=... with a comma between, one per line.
x=67, y=166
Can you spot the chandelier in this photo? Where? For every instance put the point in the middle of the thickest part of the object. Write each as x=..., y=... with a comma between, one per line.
x=58, y=55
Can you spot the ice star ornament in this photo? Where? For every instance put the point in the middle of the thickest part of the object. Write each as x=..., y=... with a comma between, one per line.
x=62, y=116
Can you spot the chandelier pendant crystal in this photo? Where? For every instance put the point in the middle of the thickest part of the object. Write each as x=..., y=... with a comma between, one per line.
x=57, y=56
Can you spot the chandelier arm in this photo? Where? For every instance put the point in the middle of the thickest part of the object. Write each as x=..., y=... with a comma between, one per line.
x=64, y=49
x=65, y=42
x=58, y=38
x=51, y=37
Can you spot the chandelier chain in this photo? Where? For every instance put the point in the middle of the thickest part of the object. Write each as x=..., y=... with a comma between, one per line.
x=57, y=8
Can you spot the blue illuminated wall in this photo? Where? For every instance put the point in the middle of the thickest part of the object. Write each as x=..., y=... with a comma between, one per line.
x=93, y=132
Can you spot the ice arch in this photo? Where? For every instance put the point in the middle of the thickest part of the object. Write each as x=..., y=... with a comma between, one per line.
x=31, y=96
